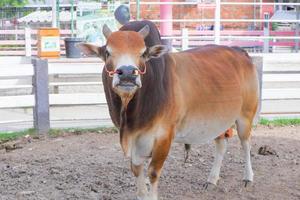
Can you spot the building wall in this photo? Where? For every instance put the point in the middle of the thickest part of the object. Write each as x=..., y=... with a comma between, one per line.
x=196, y=12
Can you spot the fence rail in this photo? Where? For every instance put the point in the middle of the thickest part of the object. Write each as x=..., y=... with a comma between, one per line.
x=280, y=88
x=26, y=42
x=194, y=38
x=217, y=37
x=222, y=3
x=226, y=20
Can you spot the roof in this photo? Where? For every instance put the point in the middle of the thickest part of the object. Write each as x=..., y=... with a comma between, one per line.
x=48, y=2
x=46, y=16
x=284, y=15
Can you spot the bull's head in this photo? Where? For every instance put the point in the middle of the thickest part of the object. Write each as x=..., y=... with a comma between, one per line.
x=125, y=55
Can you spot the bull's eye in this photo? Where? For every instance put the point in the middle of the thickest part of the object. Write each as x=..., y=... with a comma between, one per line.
x=107, y=54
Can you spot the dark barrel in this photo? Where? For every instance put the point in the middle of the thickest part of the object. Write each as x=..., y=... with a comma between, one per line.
x=71, y=50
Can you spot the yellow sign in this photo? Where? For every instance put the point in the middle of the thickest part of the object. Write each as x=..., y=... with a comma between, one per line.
x=50, y=43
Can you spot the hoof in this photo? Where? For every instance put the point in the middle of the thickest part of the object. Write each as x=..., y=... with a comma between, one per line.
x=247, y=183
x=141, y=197
x=208, y=185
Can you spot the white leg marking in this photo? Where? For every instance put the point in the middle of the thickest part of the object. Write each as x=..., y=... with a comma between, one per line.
x=248, y=173
x=141, y=186
x=141, y=150
x=243, y=128
x=153, y=191
x=221, y=146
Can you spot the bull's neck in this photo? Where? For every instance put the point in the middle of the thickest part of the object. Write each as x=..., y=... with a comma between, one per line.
x=149, y=100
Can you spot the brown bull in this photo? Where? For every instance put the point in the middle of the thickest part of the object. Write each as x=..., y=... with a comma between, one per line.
x=191, y=97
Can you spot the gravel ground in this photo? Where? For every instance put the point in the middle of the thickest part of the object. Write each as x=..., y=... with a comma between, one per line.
x=91, y=166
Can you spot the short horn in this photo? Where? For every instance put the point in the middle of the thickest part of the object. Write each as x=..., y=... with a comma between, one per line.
x=144, y=31
x=106, y=31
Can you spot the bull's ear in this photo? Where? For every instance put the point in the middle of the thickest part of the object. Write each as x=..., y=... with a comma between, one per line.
x=106, y=31
x=157, y=51
x=91, y=49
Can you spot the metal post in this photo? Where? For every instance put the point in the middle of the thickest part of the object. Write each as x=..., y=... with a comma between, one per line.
x=254, y=15
x=217, y=26
x=280, y=6
x=266, y=33
x=57, y=13
x=184, y=39
x=138, y=10
x=166, y=27
x=297, y=29
x=54, y=20
x=258, y=62
x=72, y=18
x=41, y=95
x=27, y=42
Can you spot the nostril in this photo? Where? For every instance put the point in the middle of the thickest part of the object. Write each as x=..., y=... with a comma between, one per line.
x=135, y=72
x=119, y=72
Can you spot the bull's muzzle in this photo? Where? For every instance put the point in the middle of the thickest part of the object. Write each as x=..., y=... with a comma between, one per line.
x=127, y=78
x=127, y=75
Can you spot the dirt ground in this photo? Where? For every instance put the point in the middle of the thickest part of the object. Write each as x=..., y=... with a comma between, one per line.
x=92, y=166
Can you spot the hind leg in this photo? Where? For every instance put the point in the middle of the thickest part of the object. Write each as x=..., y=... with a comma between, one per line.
x=244, y=130
x=221, y=146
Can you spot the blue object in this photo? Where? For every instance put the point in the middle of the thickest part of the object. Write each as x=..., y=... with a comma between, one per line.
x=122, y=14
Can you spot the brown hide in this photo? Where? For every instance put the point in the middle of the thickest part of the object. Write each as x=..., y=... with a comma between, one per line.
x=215, y=78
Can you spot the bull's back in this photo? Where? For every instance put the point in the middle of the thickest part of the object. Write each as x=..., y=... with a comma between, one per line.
x=215, y=82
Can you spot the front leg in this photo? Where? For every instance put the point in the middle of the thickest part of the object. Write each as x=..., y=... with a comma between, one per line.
x=159, y=154
x=140, y=180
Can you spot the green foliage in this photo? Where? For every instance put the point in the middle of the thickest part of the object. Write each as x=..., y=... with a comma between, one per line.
x=79, y=131
x=13, y=3
x=280, y=122
x=6, y=136
x=274, y=26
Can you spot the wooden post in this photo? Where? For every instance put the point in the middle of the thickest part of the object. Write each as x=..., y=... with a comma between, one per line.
x=266, y=33
x=27, y=42
x=184, y=39
x=258, y=62
x=41, y=93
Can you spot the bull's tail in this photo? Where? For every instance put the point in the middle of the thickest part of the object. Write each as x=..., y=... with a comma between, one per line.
x=187, y=148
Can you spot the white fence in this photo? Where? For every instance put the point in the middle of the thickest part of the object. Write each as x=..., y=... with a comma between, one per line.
x=24, y=42
x=280, y=89
x=12, y=76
